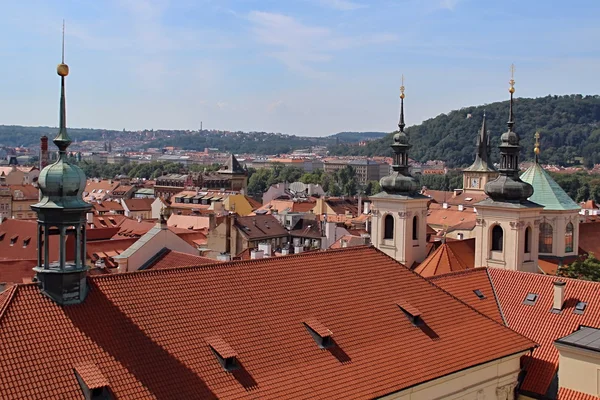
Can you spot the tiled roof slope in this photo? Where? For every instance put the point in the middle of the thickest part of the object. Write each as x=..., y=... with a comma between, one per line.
x=146, y=331
x=442, y=261
x=589, y=233
x=17, y=271
x=259, y=227
x=546, y=191
x=538, y=323
x=174, y=259
x=139, y=204
x=568, y=394
x=463, y=284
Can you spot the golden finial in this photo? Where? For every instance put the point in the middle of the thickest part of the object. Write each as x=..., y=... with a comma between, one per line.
x=536, y=149
x=63, y=69
x=512, y=79
x=402, y=88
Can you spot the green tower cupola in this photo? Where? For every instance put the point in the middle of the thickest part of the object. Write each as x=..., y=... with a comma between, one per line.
x=62, y=211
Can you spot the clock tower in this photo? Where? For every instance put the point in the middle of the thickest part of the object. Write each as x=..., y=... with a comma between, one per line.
x=482, y=170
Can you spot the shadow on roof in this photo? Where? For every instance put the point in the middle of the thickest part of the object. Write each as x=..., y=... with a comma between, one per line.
x=165, y=376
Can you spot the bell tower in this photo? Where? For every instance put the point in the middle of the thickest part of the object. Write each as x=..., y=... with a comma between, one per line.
x=507, y=223
x=62, y=212
x=399, y=211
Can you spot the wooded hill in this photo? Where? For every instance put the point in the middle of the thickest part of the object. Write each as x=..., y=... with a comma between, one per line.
x=569, y=127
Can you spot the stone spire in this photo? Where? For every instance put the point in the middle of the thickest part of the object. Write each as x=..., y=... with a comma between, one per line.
x=400, y=181
x=508, y=186
x=482, y=161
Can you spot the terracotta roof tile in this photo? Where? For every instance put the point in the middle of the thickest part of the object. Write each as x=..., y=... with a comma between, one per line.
x=221, y=346
x=442, y=261
x=538, y=323
x=91, y=375
x=139, y=204
x=318, y=327
x=259, y=227
x=463, y=284
x=569, y=394
x=17, y=271
x=175, y=259
x=141, y=329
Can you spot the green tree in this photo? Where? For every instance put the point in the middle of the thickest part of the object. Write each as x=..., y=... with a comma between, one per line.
x=372, y=187
x=587, y=269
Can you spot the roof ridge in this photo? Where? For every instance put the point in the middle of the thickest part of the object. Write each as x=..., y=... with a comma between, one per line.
x=8, y=300
x=219, y=264
x=546, y=276
x=457, y=258
x=496, y=297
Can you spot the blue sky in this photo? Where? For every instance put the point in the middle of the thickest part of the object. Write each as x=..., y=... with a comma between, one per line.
x=306, y=67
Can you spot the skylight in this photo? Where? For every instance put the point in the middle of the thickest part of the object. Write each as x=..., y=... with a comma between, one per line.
x=530, y=299
x=479, y=294
x=580, y=307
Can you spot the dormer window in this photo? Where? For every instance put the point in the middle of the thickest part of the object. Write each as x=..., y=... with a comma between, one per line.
x=14, y=239
x=412, y=313
x=26, y=241
x=479, y=294
x=530, y=299
x=319, y=332
x=92, y=382
x=226, y=356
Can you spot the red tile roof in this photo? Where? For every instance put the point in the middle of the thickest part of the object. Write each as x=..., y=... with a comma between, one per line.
x=568, y=394
x=91, y=375
x=143, y=331
x=589, y=233
x=29, y=192
x=258, y=227
x=173, y=259
x=533, y=321
x=443, y=260
x=17, y=271
x=18, y=249
x=462, y=284
x=139, y=204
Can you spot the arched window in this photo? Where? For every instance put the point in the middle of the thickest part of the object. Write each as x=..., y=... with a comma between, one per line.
x=388, y=231
x=545, y=238
x=569, y=238
x=497, y=238
x=528, y=239
x=415, y=227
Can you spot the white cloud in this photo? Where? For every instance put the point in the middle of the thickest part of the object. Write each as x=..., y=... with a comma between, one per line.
x=343, y=5
x=221, y=105
x=300, y=46
x=275, y=106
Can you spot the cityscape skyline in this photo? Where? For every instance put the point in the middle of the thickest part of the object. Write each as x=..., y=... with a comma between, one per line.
x=310, y=68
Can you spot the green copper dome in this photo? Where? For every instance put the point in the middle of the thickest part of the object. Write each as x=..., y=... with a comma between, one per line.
x=62, y=186
x=546, y=191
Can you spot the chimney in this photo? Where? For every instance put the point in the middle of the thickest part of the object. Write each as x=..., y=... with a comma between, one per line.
x=461, y=207
x=139, y=218
x=224, y=257
x=90, y=217
x=285, y=250
x=360, y=203
x=445, y=205
x=298, y=249
x=256, y=254
x=366, y=238
x=367, y=207
x=559, y=295
x=265, y=248
x=43, y=151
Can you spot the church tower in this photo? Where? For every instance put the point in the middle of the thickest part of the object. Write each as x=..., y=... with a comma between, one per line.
x=482, y=170
x=559, y=223
x=507, y=223
x=399, y=212
x=62, y=212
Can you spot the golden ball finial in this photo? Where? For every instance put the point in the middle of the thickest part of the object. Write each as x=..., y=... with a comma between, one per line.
x=62, y=69
x=511, y=89
x=536, y=150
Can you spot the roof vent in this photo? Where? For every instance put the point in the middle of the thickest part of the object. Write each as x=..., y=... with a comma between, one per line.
x=479, y=294
x=225, y=354
x=411, y=312
x=530, y=299
x=580, y=308
x=92, y=382
x=320, y=333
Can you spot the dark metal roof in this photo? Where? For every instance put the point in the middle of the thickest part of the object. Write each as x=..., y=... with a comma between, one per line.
x=586, y=337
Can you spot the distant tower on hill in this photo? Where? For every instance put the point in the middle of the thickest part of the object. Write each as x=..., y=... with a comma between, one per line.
x=399, y=211
x=109, y=147
x=482, y=170
x=62, y=211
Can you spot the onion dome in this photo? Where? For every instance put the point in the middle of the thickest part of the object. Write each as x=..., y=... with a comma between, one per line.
x=61, y=183
x=400, y=181
x=508, y=187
